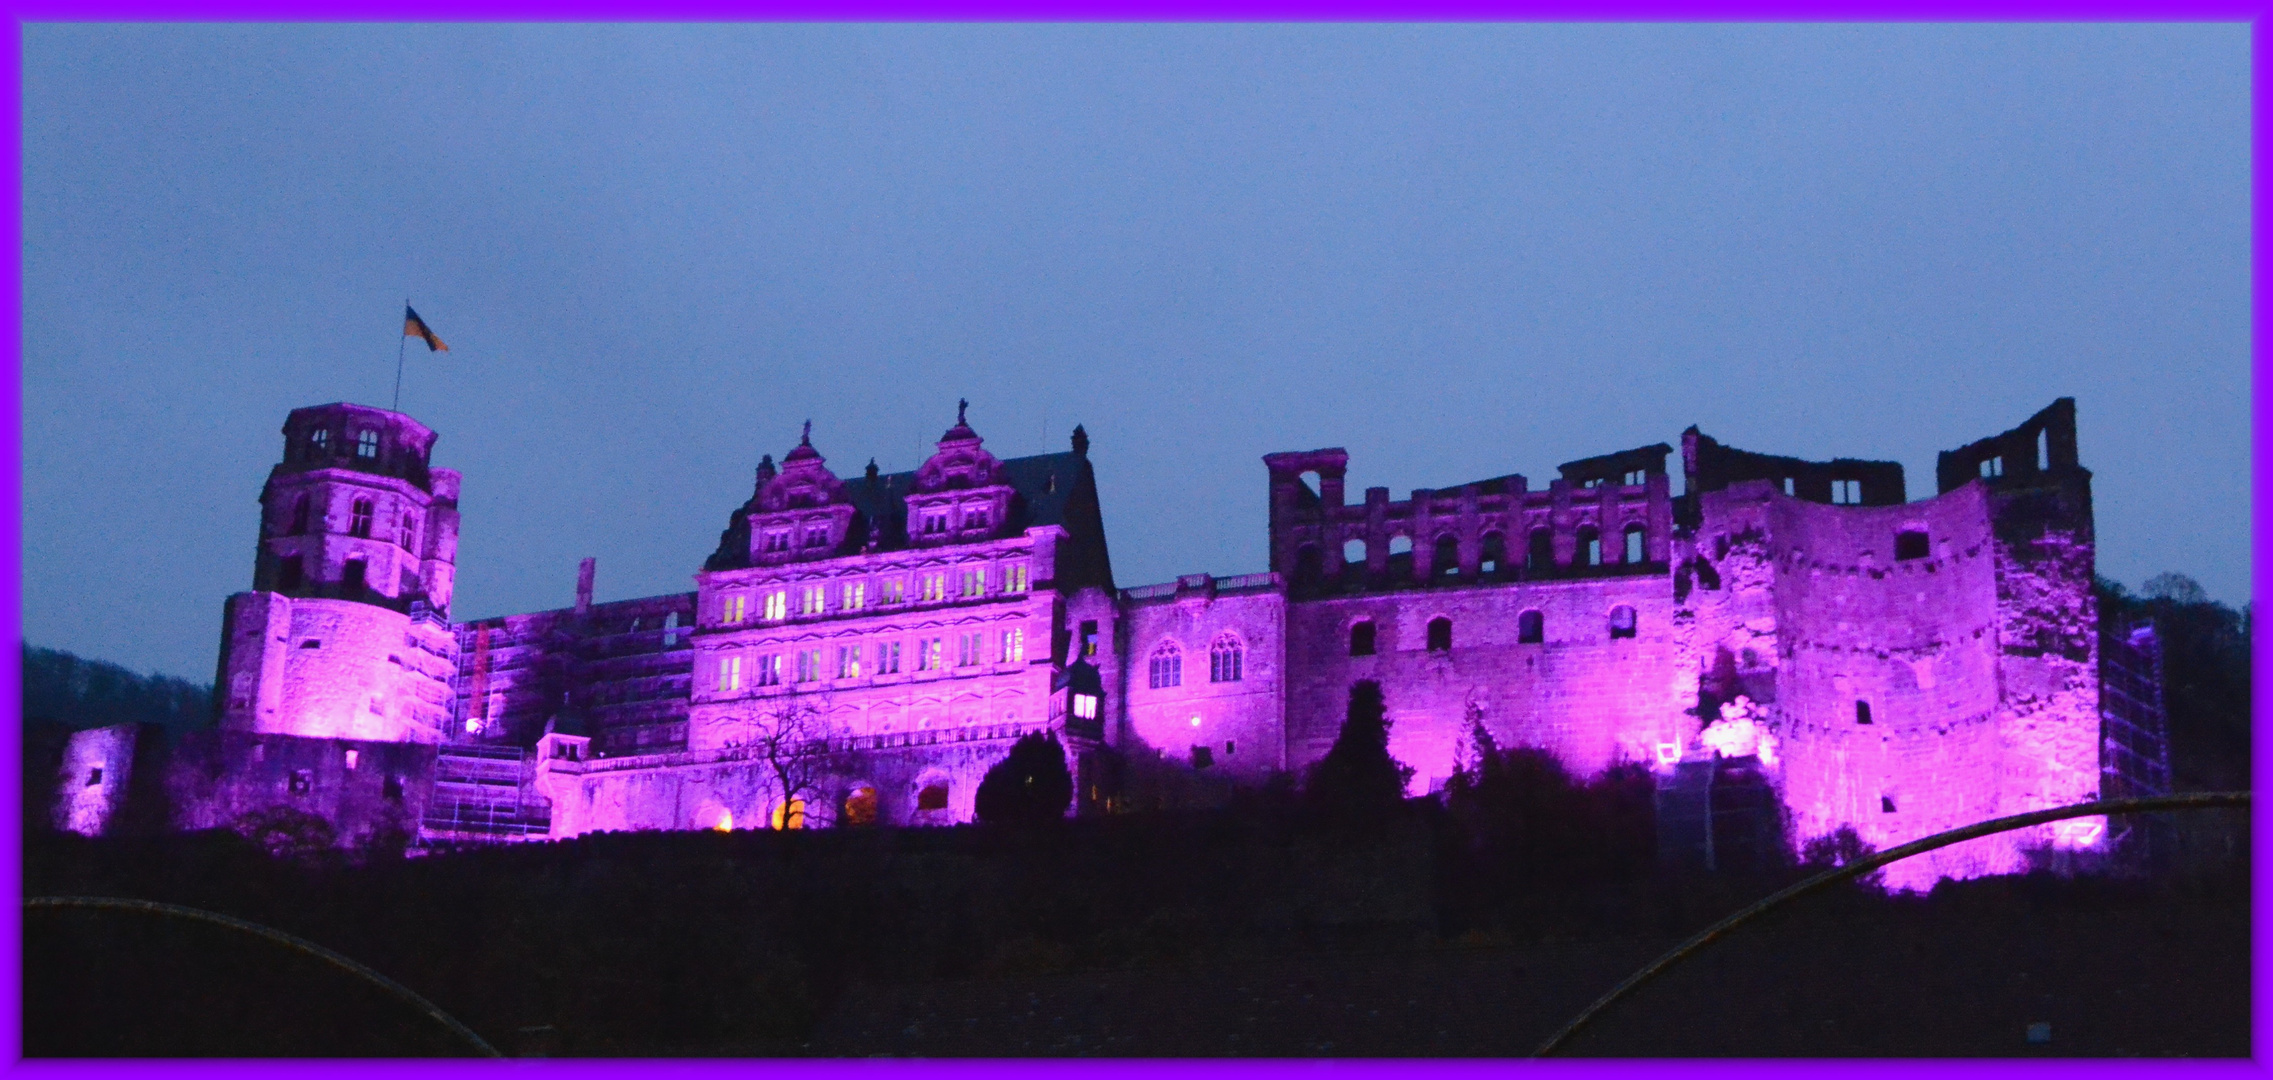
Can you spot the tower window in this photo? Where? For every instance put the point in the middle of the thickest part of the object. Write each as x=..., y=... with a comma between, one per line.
x=319, y=443
x=410, y=532
x=1590, y=546
x=289, y=574
x=1622, y=622
x=1440, y=634
x=1886, y=804
x=352, y=577
x=367, y=444
x=1910, y=544
x=1862, y=712
x=1089, y=638
x=1167, y=667
x=299, y=516
x=2043, y=450
x=1226, y=660
x=1847, y=492
x=1634, y=546
x=1361, y=638
x=1530, y=628
x=359, y=521
x=1788, y=486
x=1993, y=467
x=1353, y=551
x=94, y=777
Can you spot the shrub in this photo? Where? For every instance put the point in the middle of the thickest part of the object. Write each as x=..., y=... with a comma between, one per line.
x=1029, y=786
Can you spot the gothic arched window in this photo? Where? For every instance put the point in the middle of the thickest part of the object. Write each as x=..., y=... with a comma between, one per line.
x=1167, y=666
x=1227, y=660
x=1542, y=554
x=1447, y=556
x=1495, y=554
x=359, y=524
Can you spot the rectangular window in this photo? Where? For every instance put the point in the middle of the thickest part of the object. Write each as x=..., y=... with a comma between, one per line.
x=769, y=670
x=777, y=540
x=974, y=582
x=777, y=606
x=350, y=757
x=1787, y=485
x=1847, y=492
x=735, y=609
x=967, y=648
x=935, y=523
x=934, y=587
x=1014, y=578
x=928, y=654
x=808, y=665
x=1014, y=646
x=888, y=658
x=1088, y=637
x=367, y=444
x=855, y=595
x=974, y=517
x=817, y=536
x=410, y=532
x=1991, y=468
x=729, y=674
x=359, y=518
x=891, y=590
x=812, y=600
x=848, y=661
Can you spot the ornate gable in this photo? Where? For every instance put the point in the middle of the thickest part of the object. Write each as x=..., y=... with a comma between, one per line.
x=961, y=493
x=803, y=512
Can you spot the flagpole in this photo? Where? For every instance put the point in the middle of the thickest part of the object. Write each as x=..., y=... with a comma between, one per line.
x=397, y=406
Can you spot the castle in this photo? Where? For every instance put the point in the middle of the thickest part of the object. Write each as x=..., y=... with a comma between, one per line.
x=860, y=649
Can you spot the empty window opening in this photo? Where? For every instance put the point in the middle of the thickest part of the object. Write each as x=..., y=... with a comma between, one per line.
x=1447, y=556
x=1167, y=667
x=1353, y=551
x=1227, y=660
x=1312, y=481
x=1400, y=545
x=351, y=576
x=319, y=442
x=1361, y=638
x=1886, y=804
x=1637, y=477
x=367, y=444
x=860, y=807
x=1542, y=552
x=1202, y=757
x=1230, y=748
x=1862, y=712
x=1440, y=634
x=1622, y=622
x=94, y=777
x=1847, y=492
x=359, y=522
x=311, y=643
x=300, y=782
x=1992, y=467
x=1635, y=535
x=1495, y=554
x=1911, y=544
x=1530, y=628
x=1308, y=568
x=290, y=573
x=1088, y=637
x=2043, y=450
x=932, y=797
x=1590, y=546
x=1788, y=485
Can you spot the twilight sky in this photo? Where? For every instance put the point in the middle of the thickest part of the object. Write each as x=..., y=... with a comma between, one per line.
x=1457, y=251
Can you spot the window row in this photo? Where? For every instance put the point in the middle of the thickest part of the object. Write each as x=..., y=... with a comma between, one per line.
x=363, y=521
x=1227, y=662
x=1493, y=558
x=366, y=441
x=1530, y=629
x=859, y=660
x=814, y=599
x=940, y=520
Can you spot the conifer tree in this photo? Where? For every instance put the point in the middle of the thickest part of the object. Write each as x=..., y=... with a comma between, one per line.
x=1357, y=777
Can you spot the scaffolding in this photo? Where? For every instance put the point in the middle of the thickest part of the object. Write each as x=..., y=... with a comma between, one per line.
x=2134, y=757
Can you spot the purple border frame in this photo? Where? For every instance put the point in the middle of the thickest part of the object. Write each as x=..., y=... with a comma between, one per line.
x=11, y=674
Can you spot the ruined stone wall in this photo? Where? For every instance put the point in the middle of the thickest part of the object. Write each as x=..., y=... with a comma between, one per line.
x=627, y=665
x=1590, y=698
x=91, y=785
x=1238, y=722
x=359, y=786
x=1915, y=641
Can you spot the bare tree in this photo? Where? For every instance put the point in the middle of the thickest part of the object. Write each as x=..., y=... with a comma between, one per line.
x=787, y=738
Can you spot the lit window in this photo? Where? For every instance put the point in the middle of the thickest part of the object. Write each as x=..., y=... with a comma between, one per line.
x=848, y=661
x=735, y=610
x=934, y=587
x=789, y=815
x=1167, y=666
x=366, y=444
x=359, y=521
x=1847, y=492
x=967, y=648
x=808, y=665
x=891, y=590
x=855, y=595
x=350, y=757
x=777, y=540
x=777, y=606
x=812, y=600
x=974, y=582
x=1226, y=660
x=1014, y=646
x=1085, y=706
x=888, y=658
x=729, y=674
x=928, y=654
x=769, y=670
x=1014, y=578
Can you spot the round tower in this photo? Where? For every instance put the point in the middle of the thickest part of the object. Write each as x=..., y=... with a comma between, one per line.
x=346, y=633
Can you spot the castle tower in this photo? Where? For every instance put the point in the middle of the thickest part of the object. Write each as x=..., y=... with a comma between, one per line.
x=346, y=633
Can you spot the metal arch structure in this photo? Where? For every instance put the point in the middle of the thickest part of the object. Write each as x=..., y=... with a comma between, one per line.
x=2198, y=801
x=297, y=944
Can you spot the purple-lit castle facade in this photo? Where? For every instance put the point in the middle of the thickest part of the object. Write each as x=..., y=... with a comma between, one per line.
x=860, y=650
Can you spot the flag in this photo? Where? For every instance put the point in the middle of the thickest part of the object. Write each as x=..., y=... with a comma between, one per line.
x=413, y=326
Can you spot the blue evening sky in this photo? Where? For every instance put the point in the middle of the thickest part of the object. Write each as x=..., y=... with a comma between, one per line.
x=1457, y=251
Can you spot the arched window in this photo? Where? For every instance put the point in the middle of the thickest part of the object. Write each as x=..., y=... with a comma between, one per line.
x=789, y=815
x=1167, y=666
x=932, y=795
x=410, y=532
x=1530, y=628
x=1635, y=549
x=1227, y=661
x=1353, y=551
x=1308, y=568
x=1440, y=634
x=1447, y=563
x=1494, y=561
x=1400, y=544
x=1911, y=544
x=1361, y=638
x=319, y=443
x=359, y=523
x=1542, y=554
x=367, y=444
x=1589, y=546
x=299, y=516
x=1622, y=622
x=859, y=807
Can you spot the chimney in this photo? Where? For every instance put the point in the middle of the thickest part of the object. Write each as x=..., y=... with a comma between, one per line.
x=584, y=587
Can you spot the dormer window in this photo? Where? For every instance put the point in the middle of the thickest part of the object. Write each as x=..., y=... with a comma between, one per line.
x=1014, y=578
x=367, y=445
x=974, y=517
x=817, y=536
x=935, y=523
x=777, y=606
x=777, y=540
